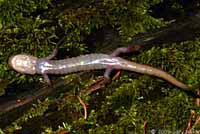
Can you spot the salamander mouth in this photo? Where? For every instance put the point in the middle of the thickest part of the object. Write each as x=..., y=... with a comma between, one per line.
x=10, y=60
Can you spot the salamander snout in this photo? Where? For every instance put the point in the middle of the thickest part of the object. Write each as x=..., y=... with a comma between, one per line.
x=22, y=63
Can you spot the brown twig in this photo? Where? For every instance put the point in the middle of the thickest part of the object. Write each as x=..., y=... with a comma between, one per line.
x=188, y=130
x=62, y=132
x=99, y=83
x=116, y=75
x=145, y=126
x=28, y=98
x=197, y=102
x=84, y=107
x=197, y=120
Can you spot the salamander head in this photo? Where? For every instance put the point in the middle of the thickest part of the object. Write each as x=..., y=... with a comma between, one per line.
x=25, y=64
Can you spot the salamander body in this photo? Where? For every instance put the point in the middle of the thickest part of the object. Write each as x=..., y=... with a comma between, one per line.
x=28, y=64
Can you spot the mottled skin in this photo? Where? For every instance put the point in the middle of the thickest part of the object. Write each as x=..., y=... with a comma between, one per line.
x=22, y=63
x=28, y=64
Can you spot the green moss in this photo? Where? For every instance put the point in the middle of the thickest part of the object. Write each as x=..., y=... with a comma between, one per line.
x=34, y=27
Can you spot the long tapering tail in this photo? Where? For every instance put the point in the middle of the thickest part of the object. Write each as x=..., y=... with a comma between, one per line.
x=145, y=69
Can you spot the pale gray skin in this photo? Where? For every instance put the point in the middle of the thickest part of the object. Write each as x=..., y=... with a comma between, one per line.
x=22, y=63
x=28, y=64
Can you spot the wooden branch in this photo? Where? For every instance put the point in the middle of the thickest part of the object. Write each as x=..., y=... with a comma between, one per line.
x=15, y=107
x=187, y=28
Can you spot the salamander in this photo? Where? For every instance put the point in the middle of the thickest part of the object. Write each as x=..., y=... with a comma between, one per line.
x=28, y=64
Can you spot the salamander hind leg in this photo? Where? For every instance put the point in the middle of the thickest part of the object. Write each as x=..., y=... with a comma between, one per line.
x=105, y=79
x=128, y=49
x=101, y=82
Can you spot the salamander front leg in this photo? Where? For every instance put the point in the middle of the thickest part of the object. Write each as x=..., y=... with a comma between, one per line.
x=46, y=78
x=52, y=55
